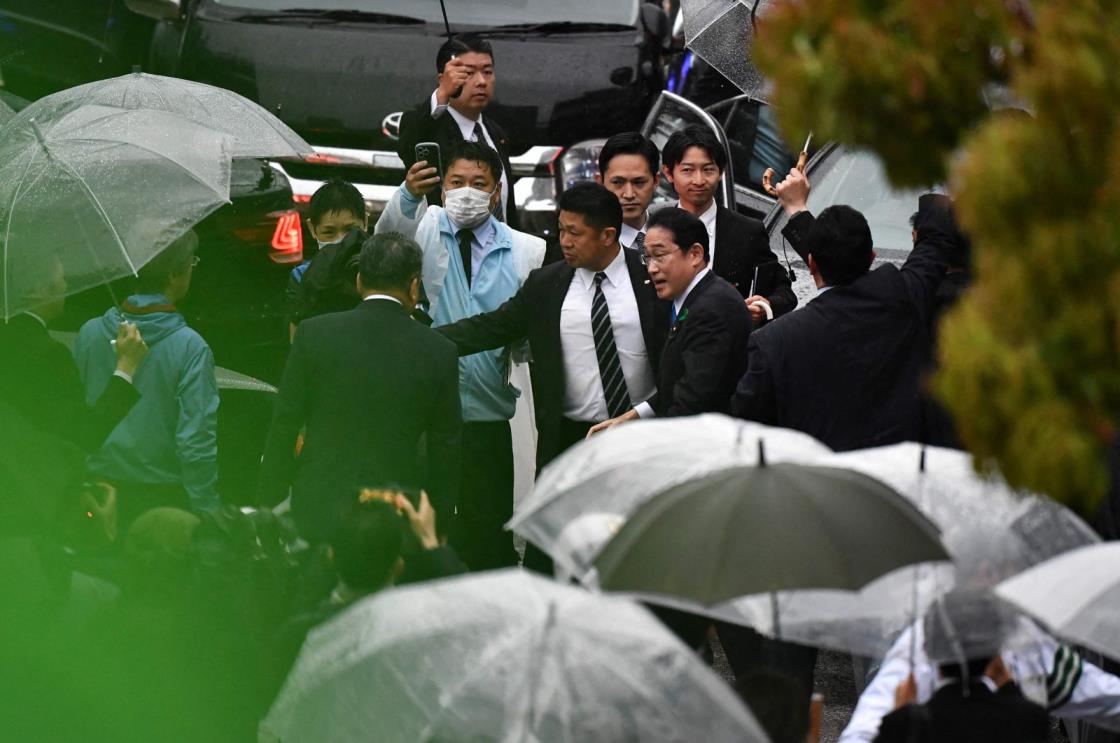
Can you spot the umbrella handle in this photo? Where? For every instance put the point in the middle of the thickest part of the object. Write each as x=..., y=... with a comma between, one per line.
x=768, y=174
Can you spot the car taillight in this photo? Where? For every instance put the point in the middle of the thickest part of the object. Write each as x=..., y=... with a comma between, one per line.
x=287, y=239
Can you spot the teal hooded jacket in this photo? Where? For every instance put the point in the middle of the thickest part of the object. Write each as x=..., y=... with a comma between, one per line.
x=171, y=434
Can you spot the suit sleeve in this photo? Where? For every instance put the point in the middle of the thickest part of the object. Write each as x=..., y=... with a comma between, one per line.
x=90, y=424
x=924, y=269
x=110, y=409
x=278, y=464
x=703, y=356
x=754, y=397
x=796, y=232
x=444, y=436
x=501, y=327
x=196, y=434
x=417, y=125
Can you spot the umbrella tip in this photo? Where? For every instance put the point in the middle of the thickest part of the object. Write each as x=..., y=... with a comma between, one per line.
x=922, y=460
x=761, y=453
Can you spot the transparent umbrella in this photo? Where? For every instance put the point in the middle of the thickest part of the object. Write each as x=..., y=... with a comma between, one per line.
x=990, y=531
x=255, y=131
x=1076, y=595
x=6, y=112
x=721, y=32
x=582, y=497
x=501, y=656
x=100, y=191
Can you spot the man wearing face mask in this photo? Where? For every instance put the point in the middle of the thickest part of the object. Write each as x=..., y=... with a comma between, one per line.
x=472, y=264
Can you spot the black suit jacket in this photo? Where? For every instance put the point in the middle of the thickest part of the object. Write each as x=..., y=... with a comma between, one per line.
x=40, y=380
x=982, y=717
x=705, y=353
x=534, y=313
x=742, y=244
x=369, y=384
x=847, y=367
x=417, y=125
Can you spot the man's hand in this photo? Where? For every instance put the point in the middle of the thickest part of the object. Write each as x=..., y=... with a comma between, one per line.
x=453, y=77
x=758, y=304
x=998, y=672
x=906, y=693
x=629, y=415
x=421, y=179
x=130, y=348
x=793, y=192
x=421, y=520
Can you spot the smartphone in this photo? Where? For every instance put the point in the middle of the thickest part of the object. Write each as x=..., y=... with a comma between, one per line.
x=429, y=151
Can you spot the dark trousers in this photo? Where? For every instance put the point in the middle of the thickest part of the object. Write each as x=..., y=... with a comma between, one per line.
x=570, y=433
x=486, y=496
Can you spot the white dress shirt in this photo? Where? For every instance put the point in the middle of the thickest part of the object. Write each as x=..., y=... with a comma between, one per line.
x=466, y=126
x=679, y=301
x=628, y=234
x=584, y=399
x=709, y=220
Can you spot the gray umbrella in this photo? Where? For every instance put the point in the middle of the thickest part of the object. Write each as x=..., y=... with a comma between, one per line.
x=747, y=530
x=99, y=191
x=721, y=32
x=255, y=131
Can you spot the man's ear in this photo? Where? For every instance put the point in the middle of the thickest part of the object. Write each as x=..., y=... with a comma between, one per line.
x=610, y=235
x=667, y=173
x=311, y=228
x=599, y=178
x=812, y=264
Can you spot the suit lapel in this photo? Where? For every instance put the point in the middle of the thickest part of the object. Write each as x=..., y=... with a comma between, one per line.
x=558, y=289
x=725, y=243
x=645, y=297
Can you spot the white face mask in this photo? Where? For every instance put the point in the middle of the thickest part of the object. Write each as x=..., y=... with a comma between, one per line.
x=468, y=207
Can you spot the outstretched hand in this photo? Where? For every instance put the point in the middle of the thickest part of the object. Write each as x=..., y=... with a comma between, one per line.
x=629, y=415
x=422, y=519
x=421, y=178
x=793, y=192
x=130, y=348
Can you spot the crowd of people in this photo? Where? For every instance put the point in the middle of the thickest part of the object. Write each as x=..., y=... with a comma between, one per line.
x=148, y=609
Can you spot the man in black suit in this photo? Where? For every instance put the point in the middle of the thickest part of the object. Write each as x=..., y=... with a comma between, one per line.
x=594, y=324
x=706, y=351
x=693, y=164
x=629, y=166
x=847, y=367
x=370, y=385
x=454, y=112
x=40, y=379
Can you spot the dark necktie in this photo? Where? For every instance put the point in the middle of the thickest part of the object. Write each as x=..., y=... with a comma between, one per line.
x=610, y=368
x=639, y=243
x=466, y=237
x=478, y=135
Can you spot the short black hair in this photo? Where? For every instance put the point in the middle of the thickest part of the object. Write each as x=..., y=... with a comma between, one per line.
x=336, y=195
x=629, y=143
x=693, y=136
x=778, y=702
x=595, y=203
x=840, y=243
x=687, y=228
x=154, y=276
x=462, y=44
x=478, y=152
x=389, y=261
x=367, y=544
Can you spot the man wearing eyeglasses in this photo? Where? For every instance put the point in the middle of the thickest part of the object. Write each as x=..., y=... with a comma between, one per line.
x=165, y=451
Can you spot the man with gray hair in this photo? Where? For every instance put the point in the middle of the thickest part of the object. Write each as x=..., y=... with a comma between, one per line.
x=378, y=394
x=165, y=451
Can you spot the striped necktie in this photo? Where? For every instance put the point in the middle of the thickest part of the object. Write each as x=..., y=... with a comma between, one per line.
x=610, y=368
x=639, y=243
x=478, y=135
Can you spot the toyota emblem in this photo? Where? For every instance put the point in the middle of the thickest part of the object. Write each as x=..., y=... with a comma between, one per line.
x=391, y=125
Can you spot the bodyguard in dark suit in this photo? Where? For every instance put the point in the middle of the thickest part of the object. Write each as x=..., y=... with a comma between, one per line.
x=371, y=385
x=454, y=113
x=968, y=714
x=694, y=162
x=580, y=376
x=847, y=367
x=40, y=379
x=706, y=349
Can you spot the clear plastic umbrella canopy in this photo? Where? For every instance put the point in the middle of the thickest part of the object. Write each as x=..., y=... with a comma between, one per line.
x=6, y=112
x=501, y=656
x=990, y=531
x=255, y=132
x=721, y=32
x=1076, y=595
x=92, y=195
x=586, y=494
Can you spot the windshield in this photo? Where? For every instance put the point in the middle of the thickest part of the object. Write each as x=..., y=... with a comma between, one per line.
x=467, y=12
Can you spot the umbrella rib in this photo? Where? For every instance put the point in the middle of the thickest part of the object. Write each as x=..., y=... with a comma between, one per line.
x=98, y=208
x=157, y=153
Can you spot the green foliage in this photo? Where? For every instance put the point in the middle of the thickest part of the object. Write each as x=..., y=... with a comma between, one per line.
x=1031, y=357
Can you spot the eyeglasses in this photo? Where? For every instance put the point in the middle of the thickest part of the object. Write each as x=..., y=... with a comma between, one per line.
x=658, y=258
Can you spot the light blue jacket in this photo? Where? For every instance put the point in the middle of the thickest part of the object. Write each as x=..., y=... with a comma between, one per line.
x=171, y=434
x=484, y=388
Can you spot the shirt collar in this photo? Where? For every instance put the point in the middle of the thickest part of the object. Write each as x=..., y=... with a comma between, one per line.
x=709, y=215
x=382, y=296
x=627, y=234
x=679, y=301
x=822, y=289
x=616, y=271
x=466, y=126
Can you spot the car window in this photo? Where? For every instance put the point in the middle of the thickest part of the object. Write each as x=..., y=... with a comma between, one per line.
x=474, y=13
x=753, y=137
